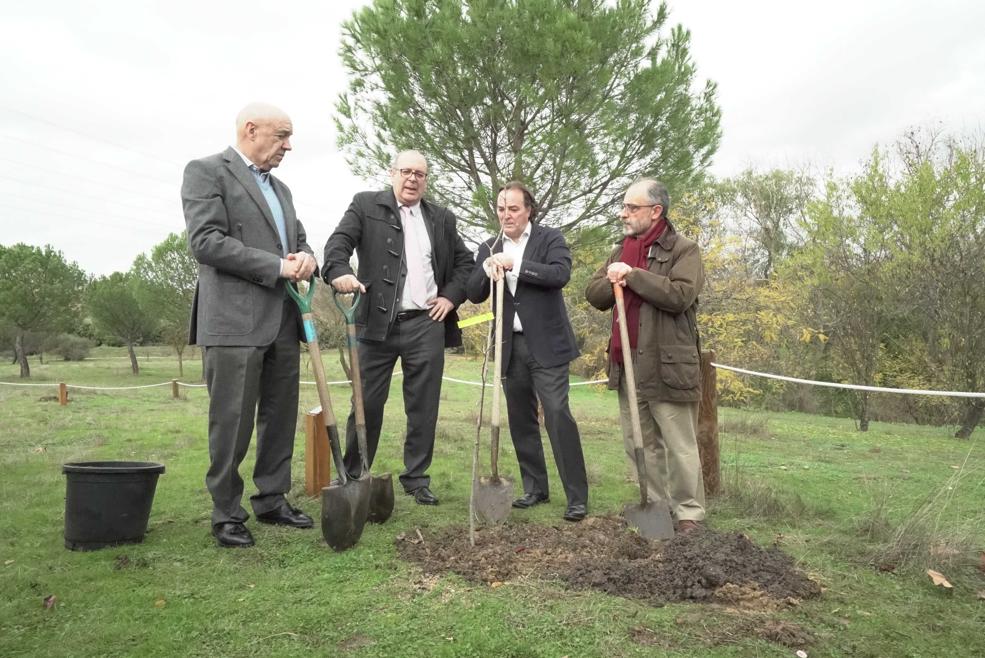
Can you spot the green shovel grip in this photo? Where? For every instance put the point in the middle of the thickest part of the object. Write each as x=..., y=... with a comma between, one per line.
x=304, y=304
x=348, y=311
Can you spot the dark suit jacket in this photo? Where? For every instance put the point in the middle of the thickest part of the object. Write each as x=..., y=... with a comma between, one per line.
x=544, y=271
x=231, y=231
x=371, y=227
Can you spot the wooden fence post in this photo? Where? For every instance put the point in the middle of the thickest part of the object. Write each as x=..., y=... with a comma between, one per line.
x=174, y=389
x=708, y=426
x=62, y=394
x=317, y=467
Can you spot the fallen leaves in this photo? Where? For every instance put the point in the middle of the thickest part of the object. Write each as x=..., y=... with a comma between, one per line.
x=48, y=603
x=939, y=580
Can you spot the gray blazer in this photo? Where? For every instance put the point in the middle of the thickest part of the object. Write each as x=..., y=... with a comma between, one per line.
x=231, y=231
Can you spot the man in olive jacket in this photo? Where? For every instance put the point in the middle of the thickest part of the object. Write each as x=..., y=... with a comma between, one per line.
x=412, y=270
x=662, y=274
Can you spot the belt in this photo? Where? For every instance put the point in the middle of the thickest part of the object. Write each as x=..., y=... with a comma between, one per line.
x=403, y=316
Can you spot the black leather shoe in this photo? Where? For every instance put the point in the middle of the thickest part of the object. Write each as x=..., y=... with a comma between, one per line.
x=530, y=499
x=232, y=535
x=575, y=513
x=286, y=515
x=423, y=496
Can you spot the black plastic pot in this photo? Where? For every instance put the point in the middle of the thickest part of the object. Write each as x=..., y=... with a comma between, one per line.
x=108, y=503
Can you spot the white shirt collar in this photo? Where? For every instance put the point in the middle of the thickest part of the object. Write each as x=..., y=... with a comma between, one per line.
x=523, y=236
x=249, y=163
x=415, y=210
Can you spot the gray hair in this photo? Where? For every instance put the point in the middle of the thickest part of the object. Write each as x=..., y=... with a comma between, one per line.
x=657, y=193
x=256, y=112
x=414, y=152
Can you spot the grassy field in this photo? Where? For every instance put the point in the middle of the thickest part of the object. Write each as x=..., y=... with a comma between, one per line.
x=864, y=514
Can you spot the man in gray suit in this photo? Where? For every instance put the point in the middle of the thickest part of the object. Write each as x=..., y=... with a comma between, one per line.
x=244, y=232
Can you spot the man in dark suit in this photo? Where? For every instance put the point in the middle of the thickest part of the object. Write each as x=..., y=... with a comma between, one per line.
x=538, y=345
x=244, y=232
x=412, y=271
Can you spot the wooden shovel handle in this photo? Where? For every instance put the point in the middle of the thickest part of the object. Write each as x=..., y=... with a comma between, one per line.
x=498, y=291
x=634, y=410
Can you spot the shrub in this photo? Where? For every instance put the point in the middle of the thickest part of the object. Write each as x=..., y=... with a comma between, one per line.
x=70, y=347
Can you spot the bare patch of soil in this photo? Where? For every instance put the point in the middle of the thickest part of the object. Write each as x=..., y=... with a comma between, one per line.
x=602, y=554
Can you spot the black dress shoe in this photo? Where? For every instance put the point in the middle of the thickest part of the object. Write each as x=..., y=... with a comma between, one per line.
x=575, y=513
x=423, y=496
x=232, y=535
x=530, y=499
x=286, y=515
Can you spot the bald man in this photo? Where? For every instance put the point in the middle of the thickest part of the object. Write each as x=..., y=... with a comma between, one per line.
x=412, y=268
x=248, y=241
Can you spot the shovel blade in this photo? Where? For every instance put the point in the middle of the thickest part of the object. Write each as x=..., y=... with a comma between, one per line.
x=493, y=499
x=651, y=520
x=344, y=508
x=380, y=498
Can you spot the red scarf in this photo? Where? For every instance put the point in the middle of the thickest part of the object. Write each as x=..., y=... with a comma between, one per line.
x=634, y=252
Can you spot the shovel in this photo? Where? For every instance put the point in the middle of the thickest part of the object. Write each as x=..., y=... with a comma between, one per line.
x=344, y=506
x=652, y=519
x=380, y=486
x=494, y=494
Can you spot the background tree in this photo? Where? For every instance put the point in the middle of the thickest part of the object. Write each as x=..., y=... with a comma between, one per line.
x=39, y=291
x=845, y=272
x=575, y=97
x=769, y=208
x=938, y=201
x=114, y=303
x=169, y=274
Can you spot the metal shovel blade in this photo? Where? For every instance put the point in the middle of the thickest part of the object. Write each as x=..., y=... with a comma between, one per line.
x=380, y=498
x=344, y=508
x=651, y=520
x=493, y=499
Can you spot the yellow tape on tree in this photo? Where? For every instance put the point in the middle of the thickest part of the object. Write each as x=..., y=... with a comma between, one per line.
x=475, y=319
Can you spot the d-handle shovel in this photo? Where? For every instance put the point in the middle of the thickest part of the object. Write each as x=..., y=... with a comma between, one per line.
x=494, y=494
x=380, y=486
x=344, y=506
x=652, y=519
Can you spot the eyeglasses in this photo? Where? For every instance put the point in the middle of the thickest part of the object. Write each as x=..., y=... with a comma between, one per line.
x=407, y=173
x=632, y=207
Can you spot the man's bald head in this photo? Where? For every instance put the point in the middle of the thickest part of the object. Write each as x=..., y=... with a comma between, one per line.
x=263, y=134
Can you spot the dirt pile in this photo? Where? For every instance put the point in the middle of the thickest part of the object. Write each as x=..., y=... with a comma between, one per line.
x=602, y=554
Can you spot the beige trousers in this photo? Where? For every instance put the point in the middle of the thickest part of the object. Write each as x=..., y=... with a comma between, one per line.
x=670, y=449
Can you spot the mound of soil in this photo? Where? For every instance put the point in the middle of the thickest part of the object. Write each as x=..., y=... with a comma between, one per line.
x=603, y=554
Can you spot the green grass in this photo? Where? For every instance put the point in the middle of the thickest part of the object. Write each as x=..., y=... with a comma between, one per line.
x=833, y=498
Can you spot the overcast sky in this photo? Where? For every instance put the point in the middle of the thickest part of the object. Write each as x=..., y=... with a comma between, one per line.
x=104, y=102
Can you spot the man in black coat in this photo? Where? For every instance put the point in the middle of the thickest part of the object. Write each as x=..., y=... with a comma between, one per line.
x=538, y=345
x=413, y=267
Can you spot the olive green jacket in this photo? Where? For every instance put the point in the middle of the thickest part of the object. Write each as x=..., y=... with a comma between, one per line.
x=666, y=360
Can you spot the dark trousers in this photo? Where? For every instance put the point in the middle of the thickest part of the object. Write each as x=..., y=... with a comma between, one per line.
x=525, y=382
x=419, y=343
x=246, y=383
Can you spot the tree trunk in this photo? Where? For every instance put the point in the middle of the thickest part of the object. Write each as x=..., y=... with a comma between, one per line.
x=863, y=411
x=21, y=355
x=181, y=363
x=972, y=416
x=133, y=359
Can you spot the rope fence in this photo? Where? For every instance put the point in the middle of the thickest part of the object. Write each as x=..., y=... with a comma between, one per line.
x=176, y=385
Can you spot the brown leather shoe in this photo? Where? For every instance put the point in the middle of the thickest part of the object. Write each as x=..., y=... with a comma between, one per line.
x=687, y=526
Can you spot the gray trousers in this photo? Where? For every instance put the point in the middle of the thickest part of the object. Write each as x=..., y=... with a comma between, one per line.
x=525, y=382
x=670, y=450
x=246, y=383
x=419, y=343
